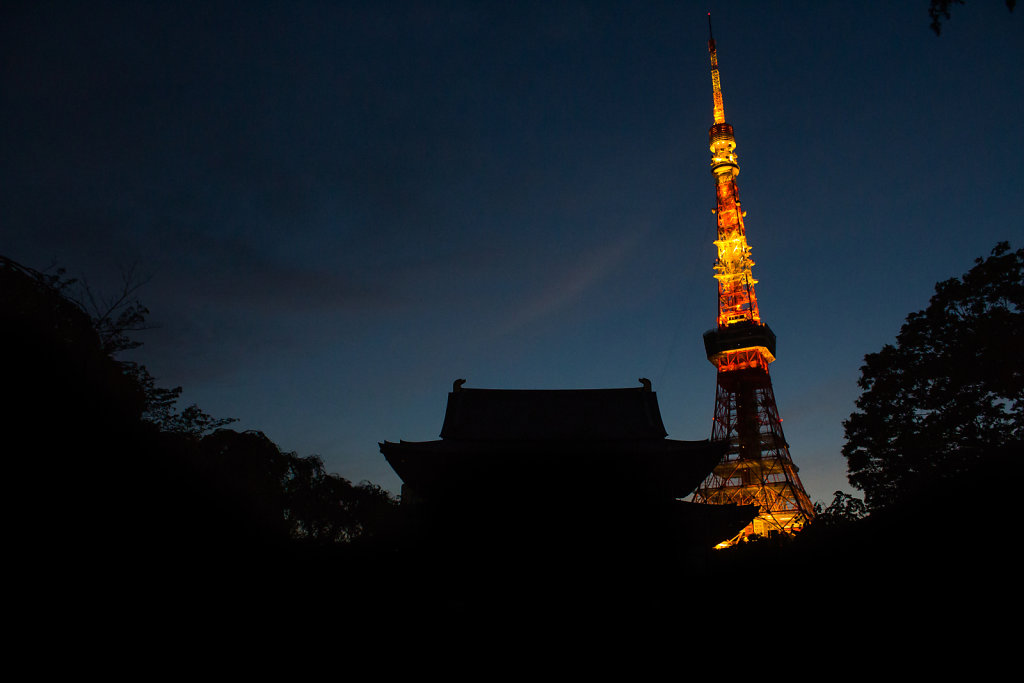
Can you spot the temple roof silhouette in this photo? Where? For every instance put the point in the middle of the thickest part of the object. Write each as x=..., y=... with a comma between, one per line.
x=558, y=414
x=582, y=463
x=508, y=441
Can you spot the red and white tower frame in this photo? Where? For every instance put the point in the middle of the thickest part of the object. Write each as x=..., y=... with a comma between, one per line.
x=757, y=468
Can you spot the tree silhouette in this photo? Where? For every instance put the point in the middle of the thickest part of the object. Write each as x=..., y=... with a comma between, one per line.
x=950, y=392
x=272, y=495
x=938, y=10
x=326, y=508
x=843, y=509
x=161, y=406
x=114, y=319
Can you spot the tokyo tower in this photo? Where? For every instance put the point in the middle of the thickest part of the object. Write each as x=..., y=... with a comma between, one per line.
x=757, y=468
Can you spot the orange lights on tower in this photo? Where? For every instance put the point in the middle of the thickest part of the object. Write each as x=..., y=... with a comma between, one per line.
x=757, y=468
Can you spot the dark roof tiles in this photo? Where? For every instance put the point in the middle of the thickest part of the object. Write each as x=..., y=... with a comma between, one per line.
x=558, y=414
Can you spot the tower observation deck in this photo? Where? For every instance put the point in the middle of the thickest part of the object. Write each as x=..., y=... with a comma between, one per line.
x=757, y=467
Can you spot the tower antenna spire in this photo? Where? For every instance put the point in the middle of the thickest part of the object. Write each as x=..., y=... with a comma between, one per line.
x=716, y=82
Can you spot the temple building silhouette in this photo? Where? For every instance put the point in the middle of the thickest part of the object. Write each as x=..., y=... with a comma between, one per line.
x=571, y=471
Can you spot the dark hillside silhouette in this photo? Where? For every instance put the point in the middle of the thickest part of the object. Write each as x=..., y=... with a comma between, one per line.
x=107, y=471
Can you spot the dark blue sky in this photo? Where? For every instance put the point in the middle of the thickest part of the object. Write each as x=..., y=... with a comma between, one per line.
x=345, y=206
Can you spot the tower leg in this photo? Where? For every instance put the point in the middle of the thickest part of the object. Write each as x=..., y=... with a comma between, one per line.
x=757, y=468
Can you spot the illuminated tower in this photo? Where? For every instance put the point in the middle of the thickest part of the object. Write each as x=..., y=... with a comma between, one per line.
x=757, y=468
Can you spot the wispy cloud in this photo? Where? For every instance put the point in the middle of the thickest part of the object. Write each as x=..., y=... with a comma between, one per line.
x=569, y=286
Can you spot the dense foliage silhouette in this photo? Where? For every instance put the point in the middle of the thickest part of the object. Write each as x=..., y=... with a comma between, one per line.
x=938, y=11
x=950, y=393
x=843, y=509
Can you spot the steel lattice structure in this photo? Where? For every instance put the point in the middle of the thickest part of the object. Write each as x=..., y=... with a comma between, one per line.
x=757, y=468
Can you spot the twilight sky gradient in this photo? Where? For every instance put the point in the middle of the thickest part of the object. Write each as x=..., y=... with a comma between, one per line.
x=345, y=206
